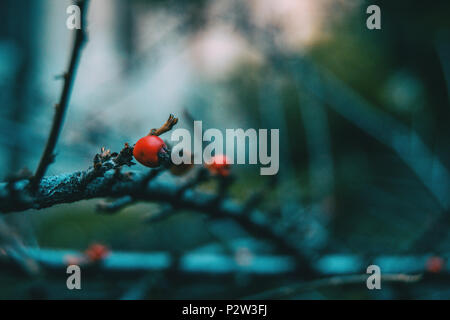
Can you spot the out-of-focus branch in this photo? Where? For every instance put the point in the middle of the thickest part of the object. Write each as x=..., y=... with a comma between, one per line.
x=11, y=246
x=189, y=263
x=115, y=206
x=61, y=107
x=340, y=270
x=295, y=289
x=433, y=234
x=68, y=188
x=333, y=93
x=104, y=179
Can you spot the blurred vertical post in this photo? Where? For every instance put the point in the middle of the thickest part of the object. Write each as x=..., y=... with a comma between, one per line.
x=126, y=30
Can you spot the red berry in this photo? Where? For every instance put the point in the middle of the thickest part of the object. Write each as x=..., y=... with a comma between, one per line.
x=435, y=264
x=96, y=252
x=220, y=165
x=70, y=260
x=147, y=150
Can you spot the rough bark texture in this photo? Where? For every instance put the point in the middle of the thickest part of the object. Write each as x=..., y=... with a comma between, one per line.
x=106, y=180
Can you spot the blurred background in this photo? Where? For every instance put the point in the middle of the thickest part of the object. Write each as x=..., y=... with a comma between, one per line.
x=363, y=118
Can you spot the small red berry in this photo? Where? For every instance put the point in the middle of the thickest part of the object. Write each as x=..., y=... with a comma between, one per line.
x=219, y=165
x=96, y=252
x=147, y=150
x=435, y=264
x=70, y=260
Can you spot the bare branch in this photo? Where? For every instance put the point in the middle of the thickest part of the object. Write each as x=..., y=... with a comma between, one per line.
x=103, y=182
x=61, y=107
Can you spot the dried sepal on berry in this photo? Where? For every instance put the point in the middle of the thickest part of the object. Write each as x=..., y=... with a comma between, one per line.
x=167, y=126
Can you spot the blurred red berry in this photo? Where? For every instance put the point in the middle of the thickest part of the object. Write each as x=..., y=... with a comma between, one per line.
x=72, y=260
x=435, y=264
x=147, y=150
x=220, y=165
x=96, y=252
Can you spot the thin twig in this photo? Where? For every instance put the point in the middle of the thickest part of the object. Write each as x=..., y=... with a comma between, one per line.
x=61, y=107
